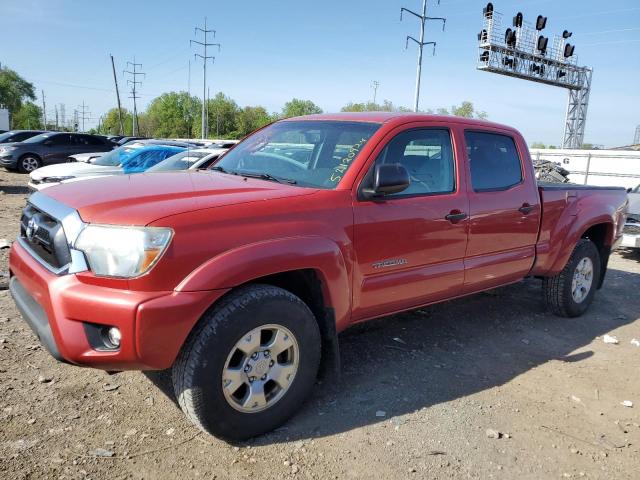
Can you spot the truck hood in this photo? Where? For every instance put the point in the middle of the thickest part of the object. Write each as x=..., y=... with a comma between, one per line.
x=73, y=169
x=146, y=197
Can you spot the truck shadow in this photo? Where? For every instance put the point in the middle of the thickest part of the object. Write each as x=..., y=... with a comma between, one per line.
x=410, y=361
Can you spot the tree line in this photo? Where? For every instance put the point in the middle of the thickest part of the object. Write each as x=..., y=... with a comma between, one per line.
x=179, y=115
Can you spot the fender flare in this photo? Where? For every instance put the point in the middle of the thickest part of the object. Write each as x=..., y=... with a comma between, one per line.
x=256, y=260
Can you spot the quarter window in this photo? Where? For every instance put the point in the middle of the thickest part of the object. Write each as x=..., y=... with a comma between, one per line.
x=428, y=157
x=494, y=160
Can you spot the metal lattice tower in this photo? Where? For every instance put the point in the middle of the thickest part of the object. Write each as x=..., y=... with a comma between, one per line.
x=523, y=52
x=134, y=82
x=636, y=137
x=421, y=43
x=204, y=58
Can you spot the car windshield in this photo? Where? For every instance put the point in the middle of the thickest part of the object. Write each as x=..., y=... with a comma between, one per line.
x=307, y=153
x=636, y=190
x=181, y=161
x=38, y=138
x=117, y=156
x=4, y=136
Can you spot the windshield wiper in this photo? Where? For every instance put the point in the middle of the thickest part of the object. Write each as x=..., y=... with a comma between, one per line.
x=269, y=177
x=221, y=170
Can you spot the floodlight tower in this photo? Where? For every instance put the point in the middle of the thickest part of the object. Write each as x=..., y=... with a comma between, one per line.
x=421, y=43
x=524, y=52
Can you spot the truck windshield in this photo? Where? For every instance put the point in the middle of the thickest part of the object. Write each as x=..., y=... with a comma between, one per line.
x=307, y=153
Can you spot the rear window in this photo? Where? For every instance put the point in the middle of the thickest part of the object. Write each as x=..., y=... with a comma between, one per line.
x=494, y=161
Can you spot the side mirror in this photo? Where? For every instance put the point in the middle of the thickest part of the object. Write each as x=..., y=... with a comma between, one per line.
x=629, y=190
x=48, y=143
x=387, y=180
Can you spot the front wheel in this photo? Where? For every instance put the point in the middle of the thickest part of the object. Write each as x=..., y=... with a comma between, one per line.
x=29, y=163
x=250, y=363
x=570, y=293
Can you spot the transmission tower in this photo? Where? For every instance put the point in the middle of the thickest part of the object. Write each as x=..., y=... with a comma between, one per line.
x=375, y=84
x=204, y=58
x=636, y=138
x=83, y=114
x=421, y=43
x=63, y=117
x=134, y=82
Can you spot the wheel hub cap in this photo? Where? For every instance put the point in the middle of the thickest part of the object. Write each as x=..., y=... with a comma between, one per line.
x=582, y=280
x=260, y=368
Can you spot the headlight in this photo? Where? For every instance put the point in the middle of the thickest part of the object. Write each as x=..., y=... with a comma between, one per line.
x=7, y=149
x=122, y=251
x=55, y=179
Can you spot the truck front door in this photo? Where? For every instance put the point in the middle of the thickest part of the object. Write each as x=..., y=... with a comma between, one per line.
x=410, y=246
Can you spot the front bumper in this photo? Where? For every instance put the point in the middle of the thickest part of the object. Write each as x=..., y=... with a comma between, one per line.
x=8, y=160
x=154, y=325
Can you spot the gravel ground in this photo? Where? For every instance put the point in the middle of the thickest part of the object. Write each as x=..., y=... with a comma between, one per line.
x=422, y=395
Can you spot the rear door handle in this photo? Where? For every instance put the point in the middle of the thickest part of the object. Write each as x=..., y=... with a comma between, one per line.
x=455, y=217
x=525, y=209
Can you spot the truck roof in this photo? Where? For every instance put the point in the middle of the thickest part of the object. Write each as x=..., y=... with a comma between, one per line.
x=400, y=117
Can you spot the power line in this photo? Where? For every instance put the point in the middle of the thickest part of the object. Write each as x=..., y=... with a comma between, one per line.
x=204, y=58
x=134, y=82
x=421, y=43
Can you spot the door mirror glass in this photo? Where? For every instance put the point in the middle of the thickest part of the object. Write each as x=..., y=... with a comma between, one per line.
x=388, y=178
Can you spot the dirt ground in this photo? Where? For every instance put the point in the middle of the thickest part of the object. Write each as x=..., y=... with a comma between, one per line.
x=417, y=395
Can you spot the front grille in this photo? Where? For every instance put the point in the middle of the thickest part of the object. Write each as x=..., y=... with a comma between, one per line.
x=45, y=236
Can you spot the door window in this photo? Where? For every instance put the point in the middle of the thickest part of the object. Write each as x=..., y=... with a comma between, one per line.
x=427, y=155
x=88, y=140
x=60, y=140
x=494, y=160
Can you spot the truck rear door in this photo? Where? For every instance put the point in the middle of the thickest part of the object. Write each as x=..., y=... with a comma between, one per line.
x=409, y=249
x=504, y=209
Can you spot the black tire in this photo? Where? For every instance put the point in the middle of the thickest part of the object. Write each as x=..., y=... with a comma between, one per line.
x=197, y=372
x=28, y=163
x=558, y=289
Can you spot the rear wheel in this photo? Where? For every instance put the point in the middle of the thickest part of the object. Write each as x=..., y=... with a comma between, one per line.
x=570, y=293
x=29, y=163
x=250, y=364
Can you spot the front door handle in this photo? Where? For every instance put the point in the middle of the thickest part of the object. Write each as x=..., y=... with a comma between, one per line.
x=455, y=216
x=525, y=209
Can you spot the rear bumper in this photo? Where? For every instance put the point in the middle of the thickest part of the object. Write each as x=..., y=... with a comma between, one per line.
x=153, y=325
x=630, y=241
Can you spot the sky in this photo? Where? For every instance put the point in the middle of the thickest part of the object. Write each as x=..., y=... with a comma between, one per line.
x=329, y=52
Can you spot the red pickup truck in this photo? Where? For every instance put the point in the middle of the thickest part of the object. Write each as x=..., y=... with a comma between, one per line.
x=239, y=278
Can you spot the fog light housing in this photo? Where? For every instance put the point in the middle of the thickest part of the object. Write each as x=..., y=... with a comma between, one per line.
x=114, y=336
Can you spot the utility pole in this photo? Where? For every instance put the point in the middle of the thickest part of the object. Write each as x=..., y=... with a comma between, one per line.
x=57, y=124
x=421, y=43
x=204, y=58
x=44, y=112
x=134, y=89
x=84, y=113
x=115, y=80
x=375, y=86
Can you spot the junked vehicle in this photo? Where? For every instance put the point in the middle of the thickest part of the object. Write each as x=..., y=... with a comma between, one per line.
x=631, y=232
x=49, y=148
x=130, y=158
x=18, y=135
x=196, y=159
x=240, y=277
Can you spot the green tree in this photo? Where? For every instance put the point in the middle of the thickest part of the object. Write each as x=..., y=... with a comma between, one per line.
x=171, y=115
x=14, y=90
x=386, y=106
x=538, y=145
x=297, y=108
x=465, y=109
x=222, y=112
x=111, y=122
x=27, y=117
x=249, y=119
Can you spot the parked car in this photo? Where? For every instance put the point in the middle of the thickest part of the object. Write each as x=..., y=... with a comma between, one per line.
x=239, y=278
x=197, y=159
x=631, y=232
x=48, y=148
x=125, y=140
x=130, y=158
x=91, y=157
x=18, y=135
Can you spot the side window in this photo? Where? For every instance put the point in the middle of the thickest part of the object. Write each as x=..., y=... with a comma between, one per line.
x=494, y=160
x=18, y=137
x=89, y=140
x=60, y=140
x=428, y=157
